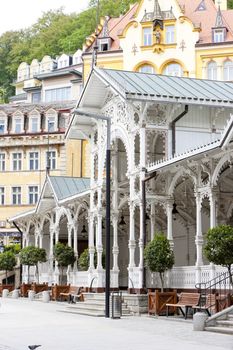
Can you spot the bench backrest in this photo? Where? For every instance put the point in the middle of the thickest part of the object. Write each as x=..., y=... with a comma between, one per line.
x=74, y=290
x=189, y=298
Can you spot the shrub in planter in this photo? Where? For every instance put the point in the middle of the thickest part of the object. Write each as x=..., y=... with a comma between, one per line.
x=219, y=247
x=83, y=261
x=159, y=256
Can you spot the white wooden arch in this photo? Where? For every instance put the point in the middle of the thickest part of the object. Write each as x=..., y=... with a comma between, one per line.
x=175, y=179
x=224, y=160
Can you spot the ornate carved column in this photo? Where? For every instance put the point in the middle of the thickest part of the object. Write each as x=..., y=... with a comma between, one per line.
x=213, y=201
x=143, y=147
x=115, y=249
x=99, y=244
x=169, y=223
x=91, y=242
x=141, y=238
x=199, y=238
x=40, y=240
x=69, y=228
x=132, y=244
x=37, y=233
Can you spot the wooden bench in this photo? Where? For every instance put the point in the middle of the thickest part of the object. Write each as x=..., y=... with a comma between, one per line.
x=208, y=306
x=186, y=301
x=72, y=294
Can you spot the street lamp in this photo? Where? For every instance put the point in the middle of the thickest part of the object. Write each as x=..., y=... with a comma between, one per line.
x=108, y=202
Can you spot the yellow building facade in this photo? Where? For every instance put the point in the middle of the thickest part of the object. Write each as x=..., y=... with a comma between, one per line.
x=172, y=37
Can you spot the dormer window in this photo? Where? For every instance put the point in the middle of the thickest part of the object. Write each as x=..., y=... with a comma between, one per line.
x=18, y=125
x=34, y=124
x=219, y=35
x=104, y=44
x=2, y=126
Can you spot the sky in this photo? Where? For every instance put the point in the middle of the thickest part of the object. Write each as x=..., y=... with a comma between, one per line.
x=20, y=14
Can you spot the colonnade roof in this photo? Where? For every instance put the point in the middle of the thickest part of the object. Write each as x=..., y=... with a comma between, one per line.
x=141, y=86
x=65, y=186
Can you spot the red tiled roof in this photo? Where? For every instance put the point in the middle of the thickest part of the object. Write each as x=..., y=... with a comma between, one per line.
x=117, y=25
x=207, y=18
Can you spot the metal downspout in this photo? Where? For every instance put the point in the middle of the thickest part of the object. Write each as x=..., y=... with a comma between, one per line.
x=173, y=127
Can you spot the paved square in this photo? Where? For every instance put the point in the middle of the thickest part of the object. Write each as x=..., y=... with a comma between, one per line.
x=24, y=322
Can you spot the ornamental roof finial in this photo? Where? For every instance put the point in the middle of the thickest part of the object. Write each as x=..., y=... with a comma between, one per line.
x=219, y=19
x=157, y=11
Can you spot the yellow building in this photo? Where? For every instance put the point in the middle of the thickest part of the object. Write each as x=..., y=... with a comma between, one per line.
x=172, y=37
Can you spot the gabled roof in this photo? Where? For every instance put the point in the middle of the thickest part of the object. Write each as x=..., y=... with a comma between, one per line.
x=204, y=14
x=155, y=87
x=64, y=186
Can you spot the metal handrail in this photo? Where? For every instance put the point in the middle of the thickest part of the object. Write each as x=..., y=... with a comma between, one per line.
x=221, y=286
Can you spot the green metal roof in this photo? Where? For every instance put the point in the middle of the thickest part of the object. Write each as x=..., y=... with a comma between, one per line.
x=65, y=186
x=161, y=87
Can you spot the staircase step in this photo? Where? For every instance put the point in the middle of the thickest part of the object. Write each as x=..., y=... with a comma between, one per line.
x=230, y=316
x=223, y=330
x=84, y=312
x=225, y=323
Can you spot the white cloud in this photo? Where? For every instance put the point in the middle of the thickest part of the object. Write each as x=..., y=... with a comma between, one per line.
x=19, y=14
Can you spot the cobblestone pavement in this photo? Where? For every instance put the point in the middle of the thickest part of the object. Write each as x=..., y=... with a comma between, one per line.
x=24, y=322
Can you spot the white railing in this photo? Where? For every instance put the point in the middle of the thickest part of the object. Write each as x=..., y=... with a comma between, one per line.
x=183, y=277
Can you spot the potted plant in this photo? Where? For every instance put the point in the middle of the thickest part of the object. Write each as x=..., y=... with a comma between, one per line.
x=218, y=249
x=65, y=256
x=32, y=256
x=7, y=262
x=83, y=261
x=159, y=257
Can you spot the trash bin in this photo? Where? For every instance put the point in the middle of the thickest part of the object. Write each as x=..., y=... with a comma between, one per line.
x=116, y=300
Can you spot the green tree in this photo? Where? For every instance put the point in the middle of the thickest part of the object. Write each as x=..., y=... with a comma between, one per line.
x=64, y=256
x=7, y=262
x=159, y=256
x=32, y=256
x=230, y=4
x=14, y=248
x=83, y=260
x=219, y=247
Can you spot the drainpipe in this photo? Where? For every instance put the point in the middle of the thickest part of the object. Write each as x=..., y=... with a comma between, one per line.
x=144, y=217
x=173, y=127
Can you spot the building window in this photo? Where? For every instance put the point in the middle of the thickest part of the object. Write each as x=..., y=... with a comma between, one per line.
x=170, y=34
x=147, y=68
x=212, y=71
x=33, y=160
x=34, y=124
x=33, y=194
x=51, y=123
x=2, y=195
x=219, y=36
x=228, y=70
x=2, y=126
x=2, y=162
x=147, y=36
x=18, y=125
x=60, y=94
x=16, y=195
x=51, y=160
x=173, y=69
x=36, y=97
x=17, y=161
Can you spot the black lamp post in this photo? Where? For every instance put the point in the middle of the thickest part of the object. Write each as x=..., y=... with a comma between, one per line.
x=108, y=203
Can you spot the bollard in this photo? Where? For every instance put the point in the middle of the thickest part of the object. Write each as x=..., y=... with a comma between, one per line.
x=31, y=294
x=15, y=294
x=5, y=293
x=45, y=296
x=199, y=319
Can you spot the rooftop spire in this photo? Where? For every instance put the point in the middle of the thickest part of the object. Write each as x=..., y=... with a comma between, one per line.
x=219, y=19
x=157, y=11
x=105, y=30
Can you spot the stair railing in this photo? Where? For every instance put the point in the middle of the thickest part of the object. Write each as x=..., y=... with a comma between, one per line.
x=221, y=287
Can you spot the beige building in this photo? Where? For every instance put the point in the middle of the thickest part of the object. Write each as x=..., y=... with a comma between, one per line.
x=32, y=134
